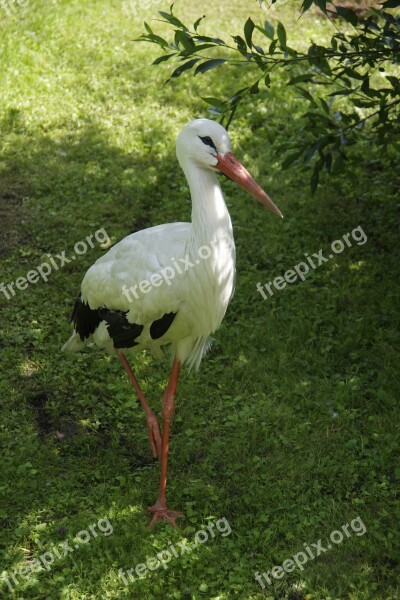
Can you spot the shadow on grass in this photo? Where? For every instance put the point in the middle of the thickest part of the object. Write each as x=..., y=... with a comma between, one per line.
x=70, y=421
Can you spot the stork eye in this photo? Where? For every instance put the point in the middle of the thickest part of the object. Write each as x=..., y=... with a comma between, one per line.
x=208, y=141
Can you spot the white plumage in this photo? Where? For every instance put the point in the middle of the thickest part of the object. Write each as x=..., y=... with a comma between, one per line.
x=169, y=284
x=199, y=294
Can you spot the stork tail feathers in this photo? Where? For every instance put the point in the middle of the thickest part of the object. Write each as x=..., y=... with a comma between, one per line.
x=73, y=344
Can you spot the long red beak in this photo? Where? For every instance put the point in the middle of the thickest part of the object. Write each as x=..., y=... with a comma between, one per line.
x=232, y=168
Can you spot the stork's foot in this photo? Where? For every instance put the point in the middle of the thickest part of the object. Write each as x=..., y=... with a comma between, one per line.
x=153, y=428
x=160, y=511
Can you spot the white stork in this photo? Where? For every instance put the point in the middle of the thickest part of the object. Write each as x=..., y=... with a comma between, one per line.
x=169, y=284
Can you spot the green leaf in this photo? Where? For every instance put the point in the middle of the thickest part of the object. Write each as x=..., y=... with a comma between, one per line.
x=395, y=81
x=238, y=95
x=205, y=38
x=364, y=103
x=353, y=74
x=254, y=88
x=187, y=65
x=269, y=30
x=185, y=39
x=306, y=94
x=324, y=105
x=315, y=50
x=311, y=151
x=391, y=4
x=154, y=39
x=342, y=93
x=248, y=31
x=173, y=20
x=321, y=5
x=347, y=14
x=306, y=5
x=197, y=23
x=209, y=64
x=241, y=44
x=323, y=65
x=162, y=58
x=291, y=158
x=365, y=85
x=328, y=161
x=214, y=102
x=280, y=30
x=272, y=46
x=216, y=111
x=299, y=78
x=315, y=178
x=317, y=58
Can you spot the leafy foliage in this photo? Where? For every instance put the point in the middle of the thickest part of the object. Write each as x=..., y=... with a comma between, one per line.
x=346, y=84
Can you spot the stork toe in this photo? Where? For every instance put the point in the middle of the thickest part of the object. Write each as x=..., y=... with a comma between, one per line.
x=163, y=513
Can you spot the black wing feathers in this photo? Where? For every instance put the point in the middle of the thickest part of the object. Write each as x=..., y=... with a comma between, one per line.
x=160, y=327
x=124, y=334
x=86, y=320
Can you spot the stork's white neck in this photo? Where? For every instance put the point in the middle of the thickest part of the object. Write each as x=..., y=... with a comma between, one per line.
x=210, y=216
x=211, y=248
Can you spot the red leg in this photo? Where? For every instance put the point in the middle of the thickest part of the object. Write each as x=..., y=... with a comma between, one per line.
x=151, y=419
x=160, y=509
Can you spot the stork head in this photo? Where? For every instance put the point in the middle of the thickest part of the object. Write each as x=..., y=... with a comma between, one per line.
x=207, y=144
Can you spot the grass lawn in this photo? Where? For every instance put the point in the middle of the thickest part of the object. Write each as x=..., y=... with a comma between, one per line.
x=288, y=433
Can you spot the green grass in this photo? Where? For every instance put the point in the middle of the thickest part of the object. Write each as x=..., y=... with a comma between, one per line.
x=289, y=430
